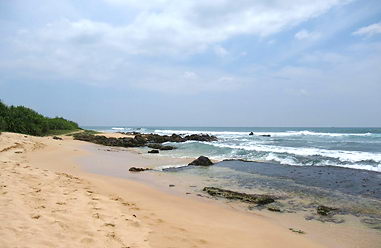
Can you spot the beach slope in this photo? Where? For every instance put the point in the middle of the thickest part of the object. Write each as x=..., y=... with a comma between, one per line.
x=47, y=201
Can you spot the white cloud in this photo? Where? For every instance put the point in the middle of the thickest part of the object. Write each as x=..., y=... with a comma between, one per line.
x=306, y=35
x=220, y=51
x=171, y=80
x=103, y=52
x=190, y=75
x=186, y=27
x=370, y=30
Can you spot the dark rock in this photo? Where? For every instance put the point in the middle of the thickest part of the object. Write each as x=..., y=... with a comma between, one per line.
x=153, y=151
x=161, y=147
x=296, y=231
x=57, y=138
x=201, y=137
x=250, y=198
x=139, y=140
x=325, y=211
x=155, y=138
x=264, y=199
x=251, y=133
x=137, y=169
x=274, y=209
x=201, y=161
x=176, y=138
x=103, y=140
x=171, y=185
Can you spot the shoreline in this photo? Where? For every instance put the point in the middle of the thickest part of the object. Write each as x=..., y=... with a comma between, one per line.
x=173, y=213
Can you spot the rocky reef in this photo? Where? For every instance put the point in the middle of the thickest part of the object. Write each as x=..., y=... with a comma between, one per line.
x=258, y=199
x=153, y=141
x=156, y=138
x=161, y=147
x=326, y=211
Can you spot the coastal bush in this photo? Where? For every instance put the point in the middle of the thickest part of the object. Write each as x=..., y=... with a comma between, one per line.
x=20, y=119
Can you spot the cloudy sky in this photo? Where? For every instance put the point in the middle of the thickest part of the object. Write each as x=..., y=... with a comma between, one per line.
x=187, y=63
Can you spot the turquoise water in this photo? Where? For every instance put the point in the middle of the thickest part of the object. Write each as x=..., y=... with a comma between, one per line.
x=357, y=148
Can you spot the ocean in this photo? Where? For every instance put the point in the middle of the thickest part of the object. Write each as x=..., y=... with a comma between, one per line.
x=356, y=148
x=304, y=167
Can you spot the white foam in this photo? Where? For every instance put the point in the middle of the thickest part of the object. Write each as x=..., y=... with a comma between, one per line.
x=118, y=128
x=291, y=161
x=164, y=167
x=273, y=134
x=344, y=156
x=189, y=132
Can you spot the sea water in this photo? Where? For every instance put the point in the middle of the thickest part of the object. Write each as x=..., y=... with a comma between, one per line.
x=356, y=148
x=305, y=167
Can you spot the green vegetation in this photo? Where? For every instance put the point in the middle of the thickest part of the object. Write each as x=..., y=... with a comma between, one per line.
x=66, y=132
x=84, y=131
x=20, y=119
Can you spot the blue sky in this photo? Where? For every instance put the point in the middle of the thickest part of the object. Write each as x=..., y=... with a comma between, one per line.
x=186, y=63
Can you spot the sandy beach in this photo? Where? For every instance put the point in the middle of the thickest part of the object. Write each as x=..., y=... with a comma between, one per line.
x=48, y=200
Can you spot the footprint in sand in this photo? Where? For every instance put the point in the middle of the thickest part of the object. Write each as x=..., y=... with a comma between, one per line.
x=36, y=216
x=87, y=240
x=96, y=216
x=109, y=224
x=116, y=198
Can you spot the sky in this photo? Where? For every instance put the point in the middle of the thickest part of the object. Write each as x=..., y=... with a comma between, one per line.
x=194, y=63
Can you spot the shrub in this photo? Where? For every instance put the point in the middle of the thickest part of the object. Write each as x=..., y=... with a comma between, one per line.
x=21, y=119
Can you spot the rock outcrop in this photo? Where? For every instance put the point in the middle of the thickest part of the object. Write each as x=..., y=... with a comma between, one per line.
x=156, y=138
x=249, y=198
x=325, y=211
x=201, y=161
x=138, y=169
x=161, y=147
x=153, y=141
x=153, y=151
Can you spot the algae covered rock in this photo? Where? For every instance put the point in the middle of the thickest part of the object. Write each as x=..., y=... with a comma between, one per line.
x=325, y=211
x=249, y=198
